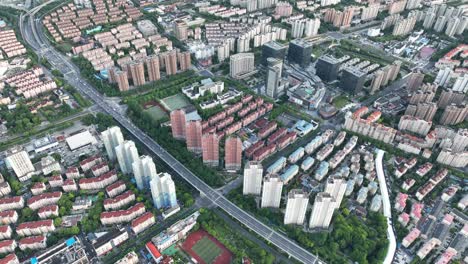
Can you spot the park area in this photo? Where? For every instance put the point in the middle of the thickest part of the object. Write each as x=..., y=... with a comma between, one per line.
x=340, y=101
x=206, y=249
x=155, y=110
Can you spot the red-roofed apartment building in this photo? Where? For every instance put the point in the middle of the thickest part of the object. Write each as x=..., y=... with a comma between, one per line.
x=143, y=222
x=15, y=202
x=8, y=217
x=33, y=242
x=10, y=259
x=122, y=216
x=35, y=228
x=119, y=201
x=44, y=199
x=7, y=246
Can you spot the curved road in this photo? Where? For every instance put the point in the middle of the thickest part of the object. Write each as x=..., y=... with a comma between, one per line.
x=33, y=34
x=387, y=208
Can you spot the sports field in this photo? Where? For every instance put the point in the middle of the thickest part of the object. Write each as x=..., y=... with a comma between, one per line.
x=175, y=102
x=206, y=249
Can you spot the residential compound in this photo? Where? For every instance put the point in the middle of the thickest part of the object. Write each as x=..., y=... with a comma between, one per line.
x=105, y=50
x=117, y=204
x=339, y=173
x=206, y=136
x=9, y=44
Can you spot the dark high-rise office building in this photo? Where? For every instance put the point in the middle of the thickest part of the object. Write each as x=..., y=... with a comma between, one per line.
x=352, y=80
x=327, y=68
x=273, y=49
x=300, y=52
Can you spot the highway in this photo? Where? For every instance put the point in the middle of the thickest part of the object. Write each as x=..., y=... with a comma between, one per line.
x=31, y=29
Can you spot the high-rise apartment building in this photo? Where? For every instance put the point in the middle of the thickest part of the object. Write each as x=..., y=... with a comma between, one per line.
x=443, y=76
x=460, y=141
x=396, y=7
x=429, y=20
x=404, y=26
x=137, y=71
x=347, y=16
x=296, y=207
x=441, y=9
x=452, y=26
x=462, y=26
x=328, y=2
x=413, y=4
x=243, y=44
x=322, y=210
x=448, y=97
x=273, y=49
x=370, y=12
x=273, y=78
x=163, y=191
x=223, y=51
x=311, y=27
x=461, y=84
x=112, y=137
x=336, y=187
x=180, y=29
x=241, y=65
x=111, y=75
x=185, y=61
x=262, y=4
x=297, y=30
x=253, y=176
x=424, y=111
x=233, y=154
x=210, y=149
x=121, y=77
x=19, y=161
x=283, y=9
x=440, y=23
x=327, y=68
x=414, y=81
x=300, y=52
x=271, y=193
x=454, y=114
x=352, y=80
x=377, y=81
x=305, y=27
x=194, y=136
x=170, y=61
x=144, y=171
x=415, y=125
x=178, y=124
x=126, y=154
x=154, y=71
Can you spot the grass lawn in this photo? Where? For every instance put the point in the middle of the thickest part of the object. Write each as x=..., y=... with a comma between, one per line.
x=175, y=102
x=340, y=101
x=207, y=250
x=157, y=113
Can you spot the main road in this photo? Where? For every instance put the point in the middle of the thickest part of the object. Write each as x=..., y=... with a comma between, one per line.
x=387, y=207
x=31, y=30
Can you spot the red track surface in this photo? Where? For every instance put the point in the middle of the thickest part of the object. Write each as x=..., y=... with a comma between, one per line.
x=224, y=258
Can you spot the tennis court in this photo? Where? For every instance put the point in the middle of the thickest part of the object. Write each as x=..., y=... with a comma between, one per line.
x=207, y=250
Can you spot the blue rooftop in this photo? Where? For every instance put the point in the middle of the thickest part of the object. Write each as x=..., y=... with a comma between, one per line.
x=70, y=241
